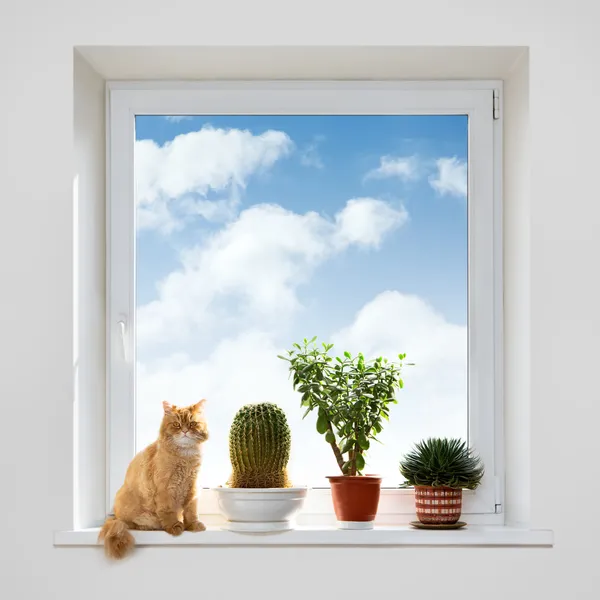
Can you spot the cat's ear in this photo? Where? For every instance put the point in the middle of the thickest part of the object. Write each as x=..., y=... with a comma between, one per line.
x=168, y=408
x=199, y=406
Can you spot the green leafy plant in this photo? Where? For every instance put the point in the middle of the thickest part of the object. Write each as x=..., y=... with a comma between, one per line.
x=351, y=395
x=442, y=462
x=259, y=447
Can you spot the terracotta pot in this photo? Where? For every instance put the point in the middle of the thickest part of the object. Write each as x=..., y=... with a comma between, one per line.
x=355, y=500
x=437, y=505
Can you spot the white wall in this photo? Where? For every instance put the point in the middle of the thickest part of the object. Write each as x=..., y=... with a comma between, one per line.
x=89, y=294
x=560, y=218
x=517, y=293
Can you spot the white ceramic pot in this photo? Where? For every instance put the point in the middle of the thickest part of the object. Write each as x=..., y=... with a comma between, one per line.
x=260, y=510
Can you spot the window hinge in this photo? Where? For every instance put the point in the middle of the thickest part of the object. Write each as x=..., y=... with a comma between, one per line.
x=496, y=104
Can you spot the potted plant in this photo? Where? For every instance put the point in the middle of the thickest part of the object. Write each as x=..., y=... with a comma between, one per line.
x=439, y=469
x=258, y=496
x=352, y=398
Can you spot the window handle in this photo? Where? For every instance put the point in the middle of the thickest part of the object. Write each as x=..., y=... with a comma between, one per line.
x=123, y=332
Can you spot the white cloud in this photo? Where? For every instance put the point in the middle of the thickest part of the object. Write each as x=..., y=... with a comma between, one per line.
x=196, y=163
x=157, y=216
x=177, y=118
x=309, y=155
x=365, y=221
x=261, y=259
x=218, y=210
x=451, y=177
x=243, y=369
x=405, y=168
x=394, y=322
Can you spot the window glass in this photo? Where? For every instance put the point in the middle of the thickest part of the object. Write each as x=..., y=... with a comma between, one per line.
x=253, y=232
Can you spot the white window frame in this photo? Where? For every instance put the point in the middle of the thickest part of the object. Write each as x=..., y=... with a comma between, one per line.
x=475, y=99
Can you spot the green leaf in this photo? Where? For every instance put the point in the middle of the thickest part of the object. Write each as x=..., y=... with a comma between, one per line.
x=363, y=442
x=442, y=462
x=347, y=354
x=346, y=466
x=322, y=422
x=360, y=462
x=329, y=437
x=348, y=445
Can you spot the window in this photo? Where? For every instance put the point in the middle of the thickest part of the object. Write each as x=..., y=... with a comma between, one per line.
x=245, y=217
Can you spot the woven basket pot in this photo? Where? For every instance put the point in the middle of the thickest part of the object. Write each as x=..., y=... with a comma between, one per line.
x=438, y=505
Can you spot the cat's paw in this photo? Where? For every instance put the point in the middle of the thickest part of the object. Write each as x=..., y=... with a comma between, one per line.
x=175, y=529
x=196, y=526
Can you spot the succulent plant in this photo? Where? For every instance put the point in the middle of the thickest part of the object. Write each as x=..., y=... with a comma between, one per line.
x=442, y=462
x=259, y=447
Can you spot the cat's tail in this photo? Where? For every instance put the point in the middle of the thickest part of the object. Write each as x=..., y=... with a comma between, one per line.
x=118, y=541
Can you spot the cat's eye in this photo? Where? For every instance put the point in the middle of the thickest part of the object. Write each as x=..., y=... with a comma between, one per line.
x=193, y=423
x=176, y=425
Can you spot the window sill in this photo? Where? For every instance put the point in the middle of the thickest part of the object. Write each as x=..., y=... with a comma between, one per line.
x=475, y=535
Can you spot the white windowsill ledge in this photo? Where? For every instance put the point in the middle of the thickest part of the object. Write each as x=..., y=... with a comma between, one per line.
x=475, y=535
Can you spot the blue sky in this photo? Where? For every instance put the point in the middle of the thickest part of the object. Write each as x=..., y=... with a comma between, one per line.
x=389, y=197
x=428, y=256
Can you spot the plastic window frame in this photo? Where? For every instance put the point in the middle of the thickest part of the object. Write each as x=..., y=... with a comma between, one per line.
x=126, y=100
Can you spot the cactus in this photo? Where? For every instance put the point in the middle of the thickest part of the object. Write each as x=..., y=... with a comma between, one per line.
x=259, y=447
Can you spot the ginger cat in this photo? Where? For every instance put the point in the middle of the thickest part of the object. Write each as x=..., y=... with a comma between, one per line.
x=160, y=485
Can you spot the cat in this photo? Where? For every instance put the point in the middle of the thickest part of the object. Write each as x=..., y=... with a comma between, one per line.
x=159, y=492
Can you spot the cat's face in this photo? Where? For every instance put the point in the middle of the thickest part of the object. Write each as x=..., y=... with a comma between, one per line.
x=185, y=426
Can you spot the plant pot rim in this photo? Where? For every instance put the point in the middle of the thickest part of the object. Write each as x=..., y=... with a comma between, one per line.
x=366, y=478
x=438, y=487
x=290, y=490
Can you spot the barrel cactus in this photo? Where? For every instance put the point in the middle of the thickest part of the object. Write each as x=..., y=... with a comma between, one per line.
x=259, y=447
